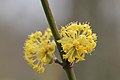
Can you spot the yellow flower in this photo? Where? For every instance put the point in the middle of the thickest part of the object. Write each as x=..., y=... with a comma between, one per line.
x=39, y=50
x=77, y=40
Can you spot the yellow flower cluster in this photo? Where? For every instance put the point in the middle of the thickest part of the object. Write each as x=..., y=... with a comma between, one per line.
x=39, y=50
x=77, y=40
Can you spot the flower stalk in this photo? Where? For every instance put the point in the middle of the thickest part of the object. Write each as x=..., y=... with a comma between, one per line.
x=66, y=65
x=58, y=61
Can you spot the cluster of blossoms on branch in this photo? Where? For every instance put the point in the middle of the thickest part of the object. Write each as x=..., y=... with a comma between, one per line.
x=77, y=40
x=39, y=50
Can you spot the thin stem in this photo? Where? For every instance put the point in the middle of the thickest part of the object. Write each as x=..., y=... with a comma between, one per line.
x=70, y=73
x=52, y=24
x=66, y=65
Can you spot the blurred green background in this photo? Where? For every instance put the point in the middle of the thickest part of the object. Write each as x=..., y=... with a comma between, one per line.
x=18, y=18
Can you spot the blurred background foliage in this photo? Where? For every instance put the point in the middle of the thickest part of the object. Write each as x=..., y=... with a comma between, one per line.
x=19, y=18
